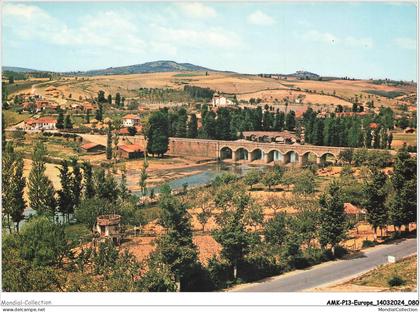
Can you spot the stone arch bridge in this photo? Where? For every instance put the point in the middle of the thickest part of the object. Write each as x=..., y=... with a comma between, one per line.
x=243, y=150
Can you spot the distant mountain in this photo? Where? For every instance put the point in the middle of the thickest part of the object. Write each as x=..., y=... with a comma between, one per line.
x=301, y=74
x=18, y=69
x=150, y=67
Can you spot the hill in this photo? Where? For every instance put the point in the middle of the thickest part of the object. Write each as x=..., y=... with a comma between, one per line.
x=18, y=69
x=149, y=67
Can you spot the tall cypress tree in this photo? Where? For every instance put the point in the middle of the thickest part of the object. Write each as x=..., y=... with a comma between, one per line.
x=76, y=184
x=65, y=200
x=13, y=184
x=192, y=130
x=60, y=120
x=41, y=190
x=88, y=183
x=109, y=143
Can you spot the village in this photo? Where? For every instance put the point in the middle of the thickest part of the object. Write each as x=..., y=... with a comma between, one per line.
x=139, y=153
x=266, y=148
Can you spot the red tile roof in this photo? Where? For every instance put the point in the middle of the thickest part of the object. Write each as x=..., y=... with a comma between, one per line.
x=131, y=116
x=41, y=120
x=130, y=148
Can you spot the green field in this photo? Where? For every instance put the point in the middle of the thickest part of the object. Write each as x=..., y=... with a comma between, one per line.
x=11, y=118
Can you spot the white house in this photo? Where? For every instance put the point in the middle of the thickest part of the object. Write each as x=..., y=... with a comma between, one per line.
x=131, y=120
x=220, y=100
x=43, y=123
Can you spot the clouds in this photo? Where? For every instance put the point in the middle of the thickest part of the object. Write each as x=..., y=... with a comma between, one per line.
x=405, y=43
x=119, y=30
x=334, y=40
x=260, y=18
x=197, y=10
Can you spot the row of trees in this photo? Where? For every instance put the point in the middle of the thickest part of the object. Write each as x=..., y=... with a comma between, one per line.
x=226, y=124
x=370, y=131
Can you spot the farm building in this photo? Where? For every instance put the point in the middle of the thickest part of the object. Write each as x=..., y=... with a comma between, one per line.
x=221, y=100
x=42, y=123
x=93, y=148
x=109, y=226
x=130, y=151
x=271, y=136
x=131, y=120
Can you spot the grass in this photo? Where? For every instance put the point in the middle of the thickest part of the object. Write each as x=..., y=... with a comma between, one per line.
x=405, y=269
x=12, y=118
x=410, y=138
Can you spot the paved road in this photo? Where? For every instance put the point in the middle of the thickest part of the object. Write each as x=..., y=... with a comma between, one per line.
x=333, y=271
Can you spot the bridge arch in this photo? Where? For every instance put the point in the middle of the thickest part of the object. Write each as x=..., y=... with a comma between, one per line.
x=290, y=156
x=256, y=154
x=226, y=153
x=241, y=153
x=326, y=156
x=275, y=155
x=308, y=157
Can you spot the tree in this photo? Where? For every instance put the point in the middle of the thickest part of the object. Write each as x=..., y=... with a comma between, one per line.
x=375, y=195
x=109, y=99
x=89, y=209
x=232, y=235
x=109, y=143
x=304, y=183
x=123, y=190
x=76, y=183
x=175, y=248
x=192, y=129
x=270, y=178
x=332, y=218
x=403, y=209
x=290, y=121
x=252, y=177
x=68, y=123
x=60, y=120
x=210, y=125
x=157, y=133
x=275, y=230
x=181, y=125
x=41, y=190
x=88, y=183
x=43, y=242
x=65, y=198
x=117, y=99
x=144, y=176
x=11, y=79
x=13, y=184
x=101, y=96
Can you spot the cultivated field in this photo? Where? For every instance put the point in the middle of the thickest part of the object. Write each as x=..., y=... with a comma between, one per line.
x=333, y=92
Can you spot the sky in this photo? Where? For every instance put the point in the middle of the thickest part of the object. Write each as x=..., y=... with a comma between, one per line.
x=354, y=39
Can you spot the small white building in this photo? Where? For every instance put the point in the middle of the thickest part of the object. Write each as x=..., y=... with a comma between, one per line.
x=42, y=123
x=220, y=100
x=131, y=120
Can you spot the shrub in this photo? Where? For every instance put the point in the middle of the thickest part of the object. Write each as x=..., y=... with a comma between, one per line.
x=220, y=273
x=396, y=281
x=367, y=243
